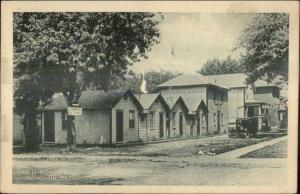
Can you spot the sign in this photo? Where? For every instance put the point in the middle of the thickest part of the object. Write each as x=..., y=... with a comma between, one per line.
x=74, y=111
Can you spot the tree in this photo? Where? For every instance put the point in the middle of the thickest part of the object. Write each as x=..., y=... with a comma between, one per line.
x=154, y=78
x=67, y=52
x=218, y=66
x=130, y=81
x=265, y=41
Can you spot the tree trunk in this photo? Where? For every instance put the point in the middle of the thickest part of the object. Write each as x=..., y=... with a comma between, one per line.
x=71, y=132
x=31, y=131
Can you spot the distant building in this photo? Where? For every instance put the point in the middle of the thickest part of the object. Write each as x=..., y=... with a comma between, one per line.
x=260, y=99
x=196, y=90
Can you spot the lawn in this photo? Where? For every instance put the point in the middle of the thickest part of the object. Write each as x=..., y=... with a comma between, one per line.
x=278, y=150
x=189, y=147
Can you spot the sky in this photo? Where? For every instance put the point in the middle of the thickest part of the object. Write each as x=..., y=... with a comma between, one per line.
x=188, y=40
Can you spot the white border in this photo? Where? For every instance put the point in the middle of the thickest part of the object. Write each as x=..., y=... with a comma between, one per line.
x=7, y=8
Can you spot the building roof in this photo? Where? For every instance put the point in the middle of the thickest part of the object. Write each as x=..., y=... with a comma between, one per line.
x=88, y=99
x=173, y=99
x=189, y=79
x=236, y=80
x=193, y=101
x=146, y=100
x=253, y=102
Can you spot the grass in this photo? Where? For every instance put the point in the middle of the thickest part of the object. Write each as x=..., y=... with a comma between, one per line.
x=278, y=150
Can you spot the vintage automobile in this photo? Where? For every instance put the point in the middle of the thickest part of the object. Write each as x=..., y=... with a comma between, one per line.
x=243, y=127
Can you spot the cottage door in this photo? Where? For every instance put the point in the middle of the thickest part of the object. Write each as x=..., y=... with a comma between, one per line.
x=49, y=126
x=119, y=125
x=168, y=124
x=218, y=122
x=198, y=123
x=161, y=125
x=180, y=124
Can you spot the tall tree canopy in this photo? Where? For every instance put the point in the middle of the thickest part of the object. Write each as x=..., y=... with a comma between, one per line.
x=66, y=52
x=265, y=41
x=218, y=66
x=154, y=78
x=131, y=80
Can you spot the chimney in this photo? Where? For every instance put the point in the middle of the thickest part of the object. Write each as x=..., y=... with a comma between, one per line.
x=143, y=85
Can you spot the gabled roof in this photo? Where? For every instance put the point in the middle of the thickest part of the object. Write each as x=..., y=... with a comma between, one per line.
x=189, y=79
x=146, y=100
x=89, y=99
x=237, y=80
x=193, y=101
x=173, y=99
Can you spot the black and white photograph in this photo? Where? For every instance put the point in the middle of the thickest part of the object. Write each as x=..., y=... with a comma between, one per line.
x=152, y=98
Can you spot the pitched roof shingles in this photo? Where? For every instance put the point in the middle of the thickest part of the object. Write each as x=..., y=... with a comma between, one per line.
x=189, y=79
x=88, y=99
x=146, y=100
x=236, y=80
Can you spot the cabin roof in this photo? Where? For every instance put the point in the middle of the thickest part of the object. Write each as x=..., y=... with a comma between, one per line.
x=236, y=80
x=173, y=99
x=88, y=99
x=189, y=79
x=146, y=100
x=193, y=101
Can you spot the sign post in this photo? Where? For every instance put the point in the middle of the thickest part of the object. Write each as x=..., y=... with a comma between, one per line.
x=74, y=111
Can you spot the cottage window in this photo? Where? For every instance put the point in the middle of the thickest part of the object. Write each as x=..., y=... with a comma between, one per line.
x=152, y=119
x=202, y=119
x=193, y=121
x=143, y=117
x=64, y=120
x=173, y=119
x=131, y=119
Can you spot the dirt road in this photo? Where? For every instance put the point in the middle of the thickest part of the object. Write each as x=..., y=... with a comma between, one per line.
x=146, y=170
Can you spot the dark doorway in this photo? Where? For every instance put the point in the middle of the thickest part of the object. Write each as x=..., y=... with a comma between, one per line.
x=218, y=121
x=168, y=124
x=161, y=125
x=119, y=125
x=250, y=111
x=198, y=123
x=49, y=131
x=180, y=124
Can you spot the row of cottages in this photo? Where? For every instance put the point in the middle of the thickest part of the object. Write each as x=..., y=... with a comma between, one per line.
x=261, y=99
x=121, y=117
x=107, y=118
x=206, y=101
